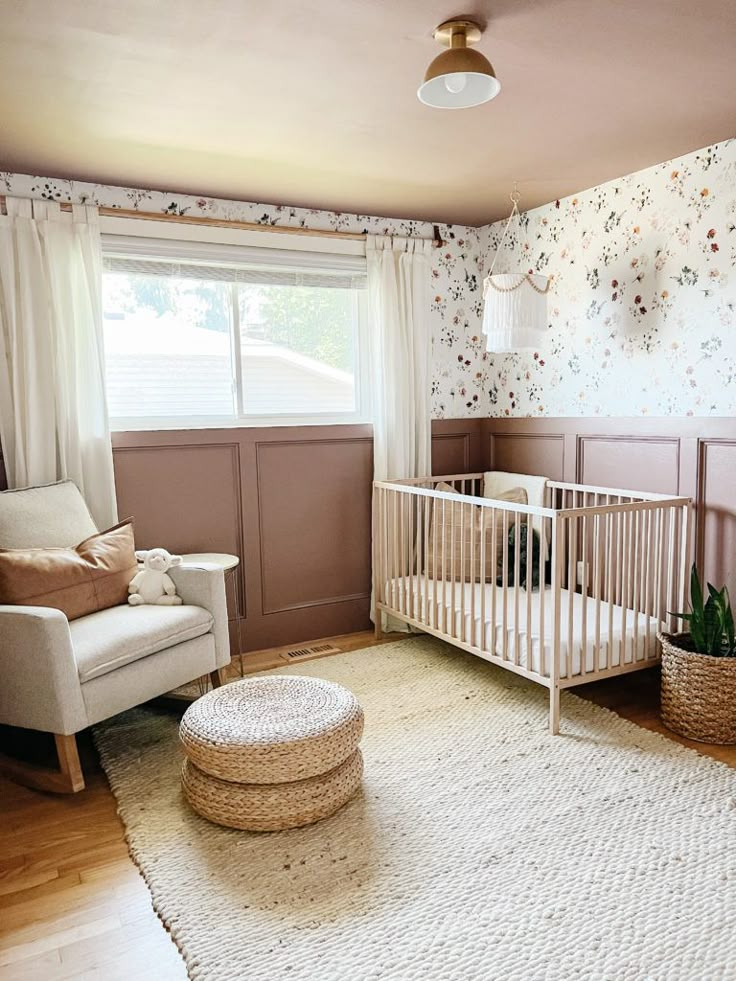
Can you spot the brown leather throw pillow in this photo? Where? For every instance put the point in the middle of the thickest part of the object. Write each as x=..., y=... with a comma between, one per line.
x=78, y=581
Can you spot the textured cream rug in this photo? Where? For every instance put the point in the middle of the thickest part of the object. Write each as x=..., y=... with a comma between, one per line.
x=481, y=848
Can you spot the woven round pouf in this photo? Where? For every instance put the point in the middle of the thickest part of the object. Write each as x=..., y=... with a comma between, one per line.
x=272, y=730
x=272, y=806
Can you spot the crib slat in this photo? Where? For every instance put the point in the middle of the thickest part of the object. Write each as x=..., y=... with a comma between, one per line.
x=571, y=587
x=611, y=542
x=597, y=559
x=648, y=569
x=482, y=579
x=377, y=557
x=542, y=590
x=435, y=621
x=461, y=575
x=636, y=582
x=494, y=577
x=453, y=570
x=504, y=585
x=416, y=537
x=626, y=599
x=391, y=548
x=406, y=554
x=444, y=567
x=664, y=569
x=426, y=617
x=584, y=597
x=656, y=579
x=401, y=584
x=517, y=558
x=408, y=550
x=471, y=577
x=686, y=548
x=529, y=571
x=387, y=532
x=559, y=535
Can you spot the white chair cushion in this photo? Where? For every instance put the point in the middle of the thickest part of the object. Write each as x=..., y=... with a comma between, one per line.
x=109, y=639
x=52, y=516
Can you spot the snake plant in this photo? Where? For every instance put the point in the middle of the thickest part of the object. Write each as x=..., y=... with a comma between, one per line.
x=710, y=622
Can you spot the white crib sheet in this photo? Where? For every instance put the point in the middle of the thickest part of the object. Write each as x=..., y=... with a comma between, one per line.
x=638, y=633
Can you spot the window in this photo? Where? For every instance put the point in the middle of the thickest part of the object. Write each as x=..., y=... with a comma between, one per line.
x=257, y=339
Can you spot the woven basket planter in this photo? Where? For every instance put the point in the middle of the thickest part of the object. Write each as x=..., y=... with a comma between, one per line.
x=698, y=693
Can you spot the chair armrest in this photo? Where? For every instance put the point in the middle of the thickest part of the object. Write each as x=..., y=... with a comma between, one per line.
x=39, y=683
x=204, y=585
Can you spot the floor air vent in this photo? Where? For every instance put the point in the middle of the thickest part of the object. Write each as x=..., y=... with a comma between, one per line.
x=302, y=653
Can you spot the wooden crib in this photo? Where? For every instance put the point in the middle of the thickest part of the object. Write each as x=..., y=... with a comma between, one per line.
x=609, y=567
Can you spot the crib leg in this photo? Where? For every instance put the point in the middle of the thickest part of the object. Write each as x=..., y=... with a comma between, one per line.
x=378, y=625
x=554, y=711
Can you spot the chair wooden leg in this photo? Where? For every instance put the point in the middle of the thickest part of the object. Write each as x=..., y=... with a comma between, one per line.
x=68, y=779
x=216, y=678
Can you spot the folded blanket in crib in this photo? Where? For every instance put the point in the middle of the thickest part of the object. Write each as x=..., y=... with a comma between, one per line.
x=498, y=482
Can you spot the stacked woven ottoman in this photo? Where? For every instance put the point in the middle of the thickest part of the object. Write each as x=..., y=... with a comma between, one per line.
x=271, y=753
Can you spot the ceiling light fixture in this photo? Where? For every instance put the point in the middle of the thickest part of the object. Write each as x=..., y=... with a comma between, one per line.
x=459, y=77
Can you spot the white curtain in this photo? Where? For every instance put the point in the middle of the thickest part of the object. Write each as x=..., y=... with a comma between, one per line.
x=401, y=351
x=53, y=413
x=398, y=288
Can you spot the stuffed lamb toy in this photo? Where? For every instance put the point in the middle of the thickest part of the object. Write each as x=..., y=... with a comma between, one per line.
x=152, y=584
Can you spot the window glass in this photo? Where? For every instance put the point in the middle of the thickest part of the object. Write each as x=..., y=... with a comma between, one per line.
x=298, y=349
x=167, y=347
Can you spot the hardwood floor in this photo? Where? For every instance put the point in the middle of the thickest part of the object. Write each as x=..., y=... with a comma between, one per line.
x=72, y=903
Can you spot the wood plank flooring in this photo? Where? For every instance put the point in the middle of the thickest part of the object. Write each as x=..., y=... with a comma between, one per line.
x=72, y=903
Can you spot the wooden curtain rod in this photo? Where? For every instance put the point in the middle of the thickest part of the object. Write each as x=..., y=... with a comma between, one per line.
x=251, y=226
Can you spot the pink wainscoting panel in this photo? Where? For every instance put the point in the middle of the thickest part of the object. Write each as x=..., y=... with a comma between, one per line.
x=457, y=446
x=315, y=521
x=717, y=512
x=642, y=463
x=184, y=496
x=535, y=453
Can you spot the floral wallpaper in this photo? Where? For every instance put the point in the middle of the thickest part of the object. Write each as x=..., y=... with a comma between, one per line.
x=642, y=305
x=458, y=379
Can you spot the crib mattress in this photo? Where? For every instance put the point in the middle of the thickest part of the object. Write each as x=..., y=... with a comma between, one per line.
x=632, y=637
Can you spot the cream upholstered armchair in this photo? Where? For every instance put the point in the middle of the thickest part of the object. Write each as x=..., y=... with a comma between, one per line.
x=61, y=676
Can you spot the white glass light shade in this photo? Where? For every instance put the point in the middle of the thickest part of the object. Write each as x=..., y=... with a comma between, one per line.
x=478, y=89
x=515, y=311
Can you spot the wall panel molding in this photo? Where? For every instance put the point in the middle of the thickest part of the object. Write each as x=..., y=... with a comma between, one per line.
x=326, y=473
x=647, y=463
x=457, y=446
x=715, y=534
x=538, y=453
x=206, y=505
x=691, y=457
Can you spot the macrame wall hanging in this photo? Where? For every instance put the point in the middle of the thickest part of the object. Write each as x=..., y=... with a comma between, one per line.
x=515, y=304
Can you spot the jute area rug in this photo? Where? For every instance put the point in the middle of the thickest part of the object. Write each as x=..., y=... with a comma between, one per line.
x=480, y=848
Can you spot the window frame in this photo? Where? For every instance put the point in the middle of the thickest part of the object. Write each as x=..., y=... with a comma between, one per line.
x=210, y=245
